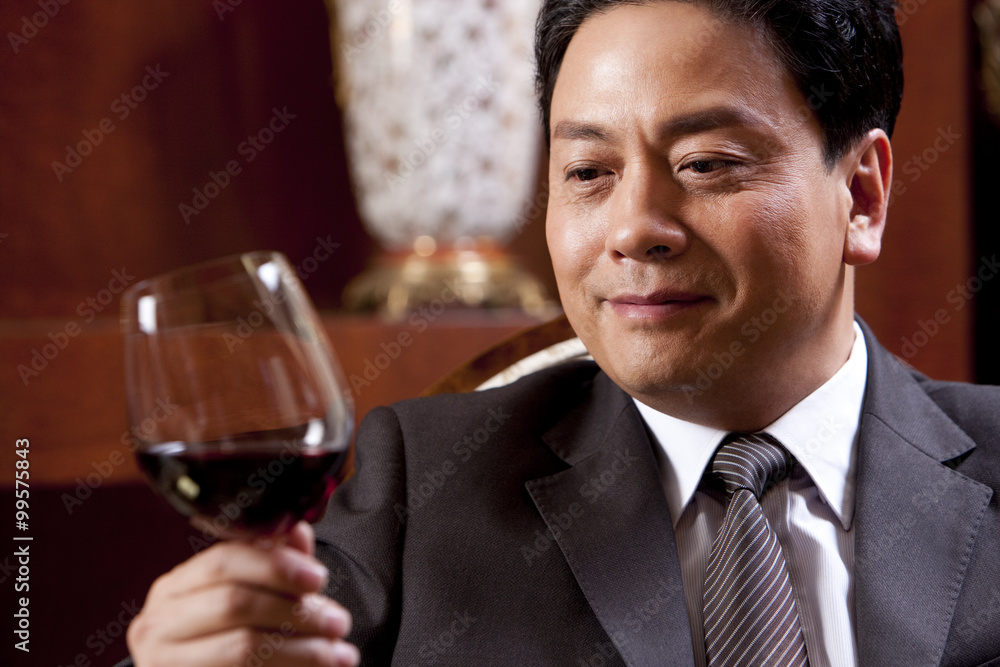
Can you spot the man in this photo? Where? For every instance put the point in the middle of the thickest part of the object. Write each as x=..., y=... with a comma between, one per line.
x=717, y=169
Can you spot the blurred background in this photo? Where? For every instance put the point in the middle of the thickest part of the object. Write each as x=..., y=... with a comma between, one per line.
x=116, y=121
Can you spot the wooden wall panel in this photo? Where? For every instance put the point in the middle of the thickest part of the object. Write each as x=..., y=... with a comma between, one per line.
x=928, y=245
x=219, y=80
x=73, y=408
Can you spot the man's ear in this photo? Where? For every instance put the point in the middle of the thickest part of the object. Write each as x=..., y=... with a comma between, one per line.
x=869, y=180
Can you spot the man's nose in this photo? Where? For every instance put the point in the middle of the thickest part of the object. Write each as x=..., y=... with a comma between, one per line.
x=645, y=217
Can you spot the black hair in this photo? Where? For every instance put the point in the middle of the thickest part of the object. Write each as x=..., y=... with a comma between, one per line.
x=845, y=56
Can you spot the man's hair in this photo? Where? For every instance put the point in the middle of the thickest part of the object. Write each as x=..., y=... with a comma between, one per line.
x=845, y=56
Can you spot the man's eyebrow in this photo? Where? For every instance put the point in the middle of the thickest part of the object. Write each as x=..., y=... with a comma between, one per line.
x=574, y=130
x=702, y=120
x=712, y=118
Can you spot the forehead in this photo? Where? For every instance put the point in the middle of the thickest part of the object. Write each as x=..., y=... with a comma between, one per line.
x=669, y=58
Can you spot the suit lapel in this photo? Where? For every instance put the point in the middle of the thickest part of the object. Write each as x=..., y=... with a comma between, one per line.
x=915, y=521
x=608, y=514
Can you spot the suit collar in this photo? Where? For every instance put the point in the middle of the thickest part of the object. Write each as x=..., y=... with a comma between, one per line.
x=608, y=514
x=896, y=397
x=588, y=425
x=916, y=519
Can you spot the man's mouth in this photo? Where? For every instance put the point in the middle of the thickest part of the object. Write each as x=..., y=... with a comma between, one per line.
x=655, y=305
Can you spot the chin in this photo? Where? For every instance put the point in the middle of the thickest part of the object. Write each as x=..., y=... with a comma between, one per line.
x=644, y=374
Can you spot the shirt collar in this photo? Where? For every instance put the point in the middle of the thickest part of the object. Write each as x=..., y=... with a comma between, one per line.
x=820, y=432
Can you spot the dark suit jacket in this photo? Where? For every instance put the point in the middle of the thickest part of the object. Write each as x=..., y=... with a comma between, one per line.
x=527, y=525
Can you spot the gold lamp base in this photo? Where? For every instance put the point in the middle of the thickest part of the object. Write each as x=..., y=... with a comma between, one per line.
x=468, y=275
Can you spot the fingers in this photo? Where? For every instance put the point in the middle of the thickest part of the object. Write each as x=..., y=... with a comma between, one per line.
x=224, y=607
x=244, y=647
x=217, y=627
x=281, y=569
x=239, y=599
x=303, y=538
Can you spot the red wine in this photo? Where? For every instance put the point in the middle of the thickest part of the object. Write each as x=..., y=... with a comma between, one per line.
x=249, y=485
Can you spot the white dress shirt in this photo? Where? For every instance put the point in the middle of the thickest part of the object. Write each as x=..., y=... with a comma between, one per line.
x=811, y=511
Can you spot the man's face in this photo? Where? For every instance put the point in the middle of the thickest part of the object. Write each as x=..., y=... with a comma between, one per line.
x=696, y=232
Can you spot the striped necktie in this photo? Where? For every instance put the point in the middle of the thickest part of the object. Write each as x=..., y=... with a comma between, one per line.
x=750, y=614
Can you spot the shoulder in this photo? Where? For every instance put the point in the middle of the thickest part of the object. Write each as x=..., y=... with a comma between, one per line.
x=912, y=401
x=963, y=396
x=975, y=411
x=430, y=431
x=975, y=408
x=533, y=401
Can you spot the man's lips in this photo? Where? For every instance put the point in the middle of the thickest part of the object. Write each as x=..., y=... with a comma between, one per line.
x=655, y=305
x=656, y=298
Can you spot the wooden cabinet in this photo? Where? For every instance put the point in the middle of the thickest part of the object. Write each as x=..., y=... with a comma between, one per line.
x=72, y=405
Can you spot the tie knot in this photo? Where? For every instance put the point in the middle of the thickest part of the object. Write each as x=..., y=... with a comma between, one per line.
x=749, y=461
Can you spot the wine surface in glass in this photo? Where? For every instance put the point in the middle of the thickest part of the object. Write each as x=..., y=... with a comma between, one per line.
x=256, y=483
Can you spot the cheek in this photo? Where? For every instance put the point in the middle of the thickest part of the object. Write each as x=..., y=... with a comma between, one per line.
x=573, y=246
x=790, y=247
x=782, y=238
x=809, y=241
x=772, y=237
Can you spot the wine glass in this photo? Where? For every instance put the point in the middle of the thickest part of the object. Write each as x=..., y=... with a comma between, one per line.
x=242, y=415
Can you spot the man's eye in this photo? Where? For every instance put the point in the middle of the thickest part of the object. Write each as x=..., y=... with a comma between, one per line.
x=585, y=174
x=705, y=166
x=708, y=166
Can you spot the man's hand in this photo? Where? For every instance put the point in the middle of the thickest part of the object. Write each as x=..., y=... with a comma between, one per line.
x=240, y=600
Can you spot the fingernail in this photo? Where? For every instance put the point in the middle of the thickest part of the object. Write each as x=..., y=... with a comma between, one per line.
x=336, y=622
x=346, y=654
